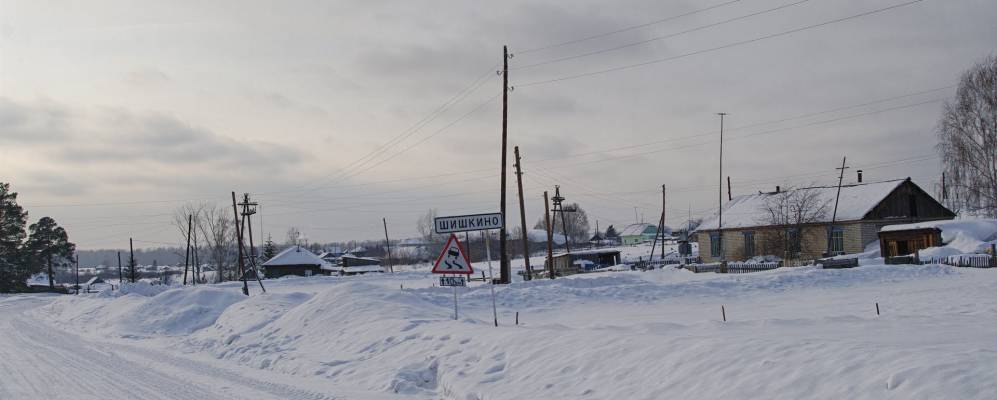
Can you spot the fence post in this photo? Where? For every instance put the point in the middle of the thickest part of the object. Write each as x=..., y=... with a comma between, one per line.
x=917, y=257
x=723, y=267
x=993, y=254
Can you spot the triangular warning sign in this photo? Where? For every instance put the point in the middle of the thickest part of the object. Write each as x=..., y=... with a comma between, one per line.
x=453, y=259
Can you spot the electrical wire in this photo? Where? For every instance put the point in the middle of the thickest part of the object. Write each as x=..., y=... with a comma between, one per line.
x=726, y=46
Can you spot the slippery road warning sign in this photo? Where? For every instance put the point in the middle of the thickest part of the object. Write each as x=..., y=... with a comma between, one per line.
x=453, y=259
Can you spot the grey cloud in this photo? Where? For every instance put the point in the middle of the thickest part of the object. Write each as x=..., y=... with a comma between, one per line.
x=147, y=77
x=32, y=123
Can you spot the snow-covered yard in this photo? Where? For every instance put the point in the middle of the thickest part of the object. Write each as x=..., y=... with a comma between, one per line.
x=790, y=333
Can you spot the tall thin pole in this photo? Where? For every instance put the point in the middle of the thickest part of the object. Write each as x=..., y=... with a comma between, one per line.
x=491, y=276
x=522, y=215
x=550, y=238
x=77, y=273
x=186, y=260
x=504, y=269
x=834, y=215
x=196, y=268
x=120, y=275
x=387, y=245
x=131, y=262
x=238, y=236
x=720, y=192
x=729, y=198
x=663, y=222
x=248, y=216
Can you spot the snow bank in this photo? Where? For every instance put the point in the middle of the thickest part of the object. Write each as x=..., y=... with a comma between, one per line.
x=791, y=333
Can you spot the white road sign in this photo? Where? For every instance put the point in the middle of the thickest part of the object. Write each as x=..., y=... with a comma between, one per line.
x=462, y=223
x=453, y=259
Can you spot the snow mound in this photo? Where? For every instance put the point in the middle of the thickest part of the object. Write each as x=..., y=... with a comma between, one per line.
x=179, y=311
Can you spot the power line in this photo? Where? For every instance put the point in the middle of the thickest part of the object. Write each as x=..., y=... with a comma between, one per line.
x=456, y=98
x=626, y=29
x=654, y=39
x=739, y=137
x=742, y=127
x=726, y=46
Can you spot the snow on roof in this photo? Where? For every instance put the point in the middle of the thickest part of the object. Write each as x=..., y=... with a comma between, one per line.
x=360, y=258
x=39, y=279
x=363, y=268
x=295, y=255
x=636, y=229
x=856, y=201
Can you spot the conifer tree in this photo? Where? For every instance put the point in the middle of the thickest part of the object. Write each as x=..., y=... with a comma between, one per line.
x=48, y=246
x=13, y=272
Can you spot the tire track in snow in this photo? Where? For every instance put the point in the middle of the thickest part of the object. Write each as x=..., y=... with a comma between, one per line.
x=41, y=361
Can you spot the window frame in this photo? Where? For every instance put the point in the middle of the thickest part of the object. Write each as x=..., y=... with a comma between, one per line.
x=749, y=243
x=716, y=247
x=834, y=247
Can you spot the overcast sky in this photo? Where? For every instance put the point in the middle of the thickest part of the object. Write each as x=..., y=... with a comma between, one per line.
x=114, y=113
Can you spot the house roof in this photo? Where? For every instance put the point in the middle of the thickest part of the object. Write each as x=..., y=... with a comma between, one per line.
x=636, y=229
x=295, y=255
x=855, y=202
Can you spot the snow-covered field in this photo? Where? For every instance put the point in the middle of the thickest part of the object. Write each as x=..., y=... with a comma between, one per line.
x=790, y=333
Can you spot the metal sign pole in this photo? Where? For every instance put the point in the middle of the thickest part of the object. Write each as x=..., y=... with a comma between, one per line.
x=491, y=276
x=455, y=303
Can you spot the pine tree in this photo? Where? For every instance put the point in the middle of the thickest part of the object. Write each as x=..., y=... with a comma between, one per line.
x=269, y=249
x=48, y=246
x=611, y=233
x=13, y=272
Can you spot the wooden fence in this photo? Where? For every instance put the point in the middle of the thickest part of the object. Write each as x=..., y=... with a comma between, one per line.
x=838, y=263
x=963, y=260
x=733, y=267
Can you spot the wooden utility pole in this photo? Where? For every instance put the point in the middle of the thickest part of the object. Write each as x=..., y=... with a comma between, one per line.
x=248, y=209
x=238, y=236
x=660, y=231
x=720, y=197
x=550, y=238
x=131, y=262
x=729, y=198
x=522, y=215
x=387, y=245
x=77, y=273
x=120, y=276
x=834, y=215
x=505, y=271
x=186, y=260
x=196, y=268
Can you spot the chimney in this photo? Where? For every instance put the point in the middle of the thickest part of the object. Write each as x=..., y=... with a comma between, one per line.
x=777, y=188
x=860, y=175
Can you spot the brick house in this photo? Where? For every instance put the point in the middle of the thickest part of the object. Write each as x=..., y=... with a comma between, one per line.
x=863, y=209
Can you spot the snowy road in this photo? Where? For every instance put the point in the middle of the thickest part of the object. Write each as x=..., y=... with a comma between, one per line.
x=39, y=362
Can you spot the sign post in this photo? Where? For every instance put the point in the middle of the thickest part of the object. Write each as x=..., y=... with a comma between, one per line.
x=465, y=223
x=453, y=260
x=491, y=276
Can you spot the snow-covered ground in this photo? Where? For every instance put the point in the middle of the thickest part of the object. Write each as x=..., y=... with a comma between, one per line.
x=790, y=333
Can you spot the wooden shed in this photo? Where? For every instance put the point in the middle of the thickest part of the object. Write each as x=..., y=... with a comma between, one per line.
x=584, y=261
x=902, y=242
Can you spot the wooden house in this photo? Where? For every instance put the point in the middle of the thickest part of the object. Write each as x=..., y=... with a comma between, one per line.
x=296, y=260
x=862, y=209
